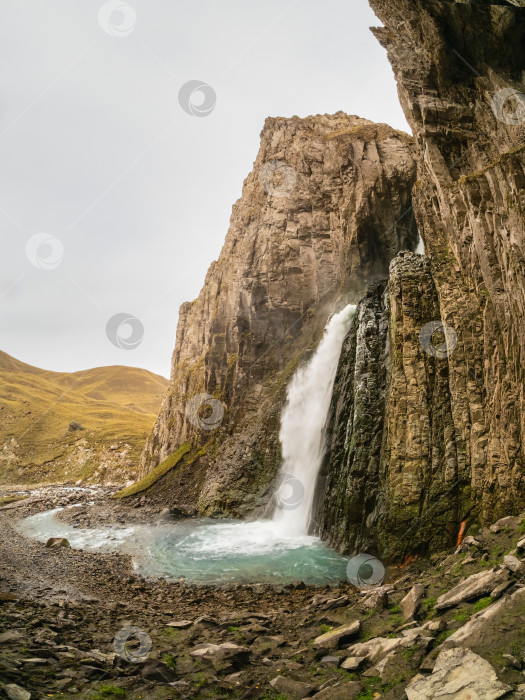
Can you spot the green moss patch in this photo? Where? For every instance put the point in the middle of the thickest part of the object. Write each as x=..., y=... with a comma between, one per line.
x=161, y=470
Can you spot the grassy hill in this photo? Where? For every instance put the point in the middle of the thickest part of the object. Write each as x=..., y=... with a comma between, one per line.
x=116, y=406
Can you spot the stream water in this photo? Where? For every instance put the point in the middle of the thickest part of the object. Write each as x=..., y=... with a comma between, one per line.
x=210, y=551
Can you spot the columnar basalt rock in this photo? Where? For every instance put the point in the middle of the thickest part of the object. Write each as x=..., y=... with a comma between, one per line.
x=392, y=454
x=447, y=442
x=321, y=216
x=456, y=65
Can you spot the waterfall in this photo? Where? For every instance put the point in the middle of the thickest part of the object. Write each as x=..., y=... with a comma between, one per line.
x=420, y=250
x=303, y=423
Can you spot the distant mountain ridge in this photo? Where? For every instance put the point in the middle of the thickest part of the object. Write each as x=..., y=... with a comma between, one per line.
x=115, y=406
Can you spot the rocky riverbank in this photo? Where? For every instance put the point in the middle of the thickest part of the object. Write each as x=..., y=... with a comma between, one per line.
x=75, y=624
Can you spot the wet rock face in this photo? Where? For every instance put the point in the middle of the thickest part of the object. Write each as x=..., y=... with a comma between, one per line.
x=326, y=208
x=391, y=456
x=447, y=442
x=457, y=65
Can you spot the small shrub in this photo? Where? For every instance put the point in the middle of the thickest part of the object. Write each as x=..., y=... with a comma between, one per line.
x=326, y=628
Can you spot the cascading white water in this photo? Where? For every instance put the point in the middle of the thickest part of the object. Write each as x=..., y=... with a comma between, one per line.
x=303, y=424
x=420, y=250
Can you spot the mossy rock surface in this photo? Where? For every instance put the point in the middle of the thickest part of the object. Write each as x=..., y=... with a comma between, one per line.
x=164, y=467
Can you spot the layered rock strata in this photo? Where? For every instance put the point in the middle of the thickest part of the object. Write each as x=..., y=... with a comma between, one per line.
x=447, y=434
x=325, y=209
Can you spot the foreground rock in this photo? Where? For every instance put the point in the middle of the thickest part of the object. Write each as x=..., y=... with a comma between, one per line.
x=294, y=690
x=15, y=692
x=477, y=630
x=411, y=602
x=475, y=586
x=335, y=636
x=223, y=657
x=57, y=542
x=458, y=673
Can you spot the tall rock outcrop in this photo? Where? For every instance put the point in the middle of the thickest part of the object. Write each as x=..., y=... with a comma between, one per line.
x=448, y=431
x=326, y=208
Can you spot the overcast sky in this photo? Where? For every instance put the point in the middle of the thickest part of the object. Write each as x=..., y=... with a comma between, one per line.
x=113, y=199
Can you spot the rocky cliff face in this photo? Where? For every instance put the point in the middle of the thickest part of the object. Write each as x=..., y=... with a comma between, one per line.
x=326, y=208
x=447, y=429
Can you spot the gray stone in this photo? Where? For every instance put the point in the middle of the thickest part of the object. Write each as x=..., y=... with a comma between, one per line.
x=458, y=673
x=294, y=690
x=331, y=661
x=223, y=657
x=16, y=692
x=10, y=636
x=377, y=599
x=55, y=542
x=412, y=601
x=352, y=663
x=475, y=586
x=180, y=624
x=477, y=628
x=334, y=637
x=159, y=671
x=348, y=691
x=513, y=563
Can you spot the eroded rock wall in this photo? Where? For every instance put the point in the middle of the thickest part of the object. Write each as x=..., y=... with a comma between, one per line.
x=454, y=428
x=303, y=240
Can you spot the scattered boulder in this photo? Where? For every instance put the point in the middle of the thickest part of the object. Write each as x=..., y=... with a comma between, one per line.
x=159, y=671
x=16, y=692
x=10, y=636
x=55, y=542
x=180, y=624
x=411, y=602
x=479, y=626
x=475, y=586
x=377, y=648
x=469, y=543
x=330, y=603
x=294, y=690
x=74, y=425
x=521, y=544
x=331, y=661
x=434, y=625
x=513, y=564
x=182, y=512
x=352, y=663
x=377, y=599
x=223, y=657
x=458, y=673
x=332, y=638
x=348, y=691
